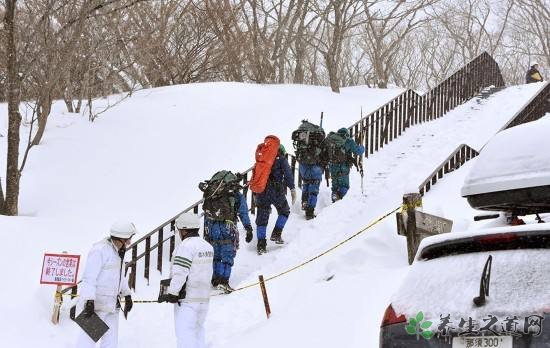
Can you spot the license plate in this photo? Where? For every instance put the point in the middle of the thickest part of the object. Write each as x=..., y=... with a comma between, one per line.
x=483, y=342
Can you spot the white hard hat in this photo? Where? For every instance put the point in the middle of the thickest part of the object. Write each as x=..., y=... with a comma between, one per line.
x=187, y=221
x=534, y=63
x=123, y=229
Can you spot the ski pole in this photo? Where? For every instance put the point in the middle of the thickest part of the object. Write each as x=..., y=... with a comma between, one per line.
x=361, y=140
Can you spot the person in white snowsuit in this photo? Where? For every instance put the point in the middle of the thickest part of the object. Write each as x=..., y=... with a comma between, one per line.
x=190, y=285
x=104, y=282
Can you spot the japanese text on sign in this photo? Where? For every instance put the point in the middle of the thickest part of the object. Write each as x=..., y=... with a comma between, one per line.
x=60, y=269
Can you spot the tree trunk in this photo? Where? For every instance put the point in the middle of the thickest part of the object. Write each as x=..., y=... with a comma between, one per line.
x=69, y=104
x=44, y=107
x=332, y=68
x=78, y=105
x=68, y=98
x=1, y=198
x=14, y=118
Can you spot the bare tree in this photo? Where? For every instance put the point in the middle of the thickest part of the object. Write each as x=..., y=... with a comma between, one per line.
x=223, y=18
x=9, y=204
x=530, y=22
x=386, y=27
x=337, y=18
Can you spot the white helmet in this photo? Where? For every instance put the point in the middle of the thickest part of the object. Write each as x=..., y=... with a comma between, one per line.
x=534, y=63
x=187, y=221
x=123, y=229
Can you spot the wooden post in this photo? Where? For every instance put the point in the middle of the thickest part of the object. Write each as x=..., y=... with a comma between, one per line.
x=410, y=202
x=172, y=239
x=58, y=301
x=160, y=249
x=133, y=272
x=264, y=295
x=147, y=258
x=72, y=312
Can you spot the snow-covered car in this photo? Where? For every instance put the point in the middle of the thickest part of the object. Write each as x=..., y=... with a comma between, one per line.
x=512, y=172
x=482, y=288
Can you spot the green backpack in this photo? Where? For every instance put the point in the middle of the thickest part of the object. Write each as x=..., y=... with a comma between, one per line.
x=219, y=196
x=307, y=140
x=334, y=149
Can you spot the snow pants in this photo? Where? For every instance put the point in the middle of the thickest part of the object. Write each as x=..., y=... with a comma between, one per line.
x=189, y=319
x=311, y=179
x=339, y=172
x=224, y=239
x=273, y=195
x=109, y=340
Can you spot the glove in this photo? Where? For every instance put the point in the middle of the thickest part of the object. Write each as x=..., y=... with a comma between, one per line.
x=248, y=229
x=293, y=195
x=88, y=308
x=172, y=298
x=128, y=304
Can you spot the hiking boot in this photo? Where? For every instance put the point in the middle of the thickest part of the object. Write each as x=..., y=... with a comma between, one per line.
x=309, y=213
x=224, y=286
x=276, y=236
x=215, y=281
x=262, y=246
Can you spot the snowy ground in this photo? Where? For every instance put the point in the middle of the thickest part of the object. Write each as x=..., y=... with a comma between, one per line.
x=143, y=158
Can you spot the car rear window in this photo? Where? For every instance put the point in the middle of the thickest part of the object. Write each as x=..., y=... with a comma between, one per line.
x=485, y=243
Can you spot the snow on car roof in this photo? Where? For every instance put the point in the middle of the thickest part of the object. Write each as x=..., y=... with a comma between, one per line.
x=515, y=158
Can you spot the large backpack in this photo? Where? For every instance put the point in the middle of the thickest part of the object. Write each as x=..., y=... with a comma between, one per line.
x=334, y=149
x=307, y=141
x=266, y=153
x=219, y=196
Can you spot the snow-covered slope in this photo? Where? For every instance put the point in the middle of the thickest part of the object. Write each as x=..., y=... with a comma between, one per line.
x=143, y=158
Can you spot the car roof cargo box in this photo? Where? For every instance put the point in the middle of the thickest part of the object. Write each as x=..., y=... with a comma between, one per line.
x=512, y=172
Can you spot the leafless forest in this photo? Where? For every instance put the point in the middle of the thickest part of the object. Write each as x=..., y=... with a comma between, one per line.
x=79, y=50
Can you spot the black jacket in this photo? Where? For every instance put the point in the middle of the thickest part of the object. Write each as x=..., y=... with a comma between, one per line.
x=533, y=75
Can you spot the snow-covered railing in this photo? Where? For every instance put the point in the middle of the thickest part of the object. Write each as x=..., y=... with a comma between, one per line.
x=409, y=108
x=534, y=109
x=456, y=159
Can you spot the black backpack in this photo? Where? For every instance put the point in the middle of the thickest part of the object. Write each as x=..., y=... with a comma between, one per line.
x=219, y=196
x=333, y=147
x=307, y=140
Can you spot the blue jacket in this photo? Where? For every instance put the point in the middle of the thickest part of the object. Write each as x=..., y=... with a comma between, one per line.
x=243, y=209
x=351, y=146
x=281, y=174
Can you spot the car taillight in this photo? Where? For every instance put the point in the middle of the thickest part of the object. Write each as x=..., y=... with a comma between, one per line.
x=497, y=238
x=391, y=318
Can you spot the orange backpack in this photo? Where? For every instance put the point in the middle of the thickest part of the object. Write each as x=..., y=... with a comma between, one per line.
x=265, y=156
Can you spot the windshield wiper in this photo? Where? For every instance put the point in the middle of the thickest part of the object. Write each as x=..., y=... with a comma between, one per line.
x=484, y=283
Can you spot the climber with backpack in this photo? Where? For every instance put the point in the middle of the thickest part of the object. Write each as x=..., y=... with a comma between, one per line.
x=270, y=179
x=307, y=140
x=223, y=204
x=341, y=152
